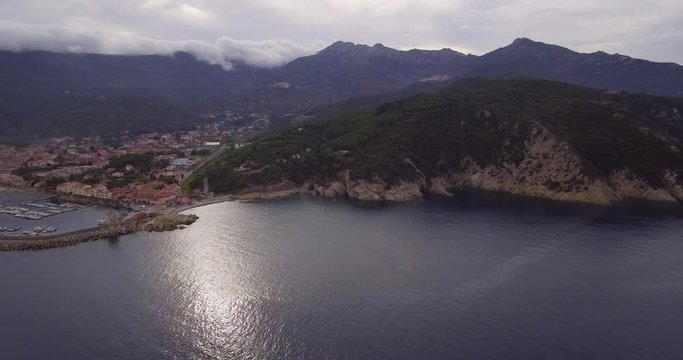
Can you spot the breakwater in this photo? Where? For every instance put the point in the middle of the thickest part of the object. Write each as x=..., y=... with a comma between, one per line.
x=19, y=243
x=144, y=222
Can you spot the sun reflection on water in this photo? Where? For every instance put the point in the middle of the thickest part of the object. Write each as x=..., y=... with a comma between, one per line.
x=222, y=299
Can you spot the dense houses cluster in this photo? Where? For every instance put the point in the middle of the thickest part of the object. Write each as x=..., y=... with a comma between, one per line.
x=98, y=191
x=12, y=157
x=81, y=167
x=12, y=181
x=240, y=126
x=152, y=193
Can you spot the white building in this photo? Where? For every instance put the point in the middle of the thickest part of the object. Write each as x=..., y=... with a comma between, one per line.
x=181, y=162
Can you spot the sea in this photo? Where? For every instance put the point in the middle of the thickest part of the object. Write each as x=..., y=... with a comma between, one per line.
x=478, y=276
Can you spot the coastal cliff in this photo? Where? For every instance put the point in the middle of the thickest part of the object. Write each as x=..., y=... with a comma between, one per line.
x=549, y=170
x=525, y=137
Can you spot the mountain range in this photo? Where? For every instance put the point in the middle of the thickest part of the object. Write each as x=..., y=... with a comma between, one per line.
x=43, y=94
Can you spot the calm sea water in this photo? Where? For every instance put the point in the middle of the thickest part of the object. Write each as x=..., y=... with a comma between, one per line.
x=469, y=278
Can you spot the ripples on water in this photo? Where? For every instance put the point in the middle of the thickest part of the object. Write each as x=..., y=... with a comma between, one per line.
x=304, y=278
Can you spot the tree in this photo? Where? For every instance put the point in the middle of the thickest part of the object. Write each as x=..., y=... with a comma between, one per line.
x=54, y=181
x=143, y=162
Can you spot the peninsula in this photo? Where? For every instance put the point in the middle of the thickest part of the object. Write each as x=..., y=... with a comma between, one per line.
x=527, y=137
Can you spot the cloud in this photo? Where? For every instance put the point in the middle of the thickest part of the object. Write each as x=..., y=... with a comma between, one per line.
x=224, y=51
x=646, y=29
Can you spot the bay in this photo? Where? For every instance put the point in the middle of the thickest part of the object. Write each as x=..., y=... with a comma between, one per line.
x=475, y=277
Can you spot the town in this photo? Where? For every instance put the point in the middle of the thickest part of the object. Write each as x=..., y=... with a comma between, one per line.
x=131, y=170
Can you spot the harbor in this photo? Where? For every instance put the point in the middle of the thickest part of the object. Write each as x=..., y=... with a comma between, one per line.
x=38, y=215
x=34, y=210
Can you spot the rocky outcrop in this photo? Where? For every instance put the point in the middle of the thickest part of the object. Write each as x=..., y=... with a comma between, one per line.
x=371, y=190
x=674, y=184
x=629, y=186
x=170, y=222
x=378, y=190
x=332, y=190
x=440, y=186
x=549, y=169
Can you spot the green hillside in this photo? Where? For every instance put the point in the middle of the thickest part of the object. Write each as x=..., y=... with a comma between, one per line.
x=488, y=121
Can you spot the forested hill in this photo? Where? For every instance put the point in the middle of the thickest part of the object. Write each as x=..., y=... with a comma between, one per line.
x=529, y=137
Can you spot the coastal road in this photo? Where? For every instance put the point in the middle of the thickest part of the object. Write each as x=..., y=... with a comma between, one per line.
x=201, y=164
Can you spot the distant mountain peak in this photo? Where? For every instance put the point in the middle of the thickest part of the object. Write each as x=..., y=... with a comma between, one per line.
x=349, y=49
x=524, y=47
x=524, y=41
x=339, y=46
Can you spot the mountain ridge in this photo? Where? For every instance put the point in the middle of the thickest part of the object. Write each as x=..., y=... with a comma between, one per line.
x=35, y=84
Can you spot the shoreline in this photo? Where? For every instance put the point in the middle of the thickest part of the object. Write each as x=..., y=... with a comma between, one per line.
x=23, y=243
x=265, y=195
x=20, y=243
x=214, y=200
x=245, y=197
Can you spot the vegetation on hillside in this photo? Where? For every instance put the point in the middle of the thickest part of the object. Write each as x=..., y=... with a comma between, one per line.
x=487, y=120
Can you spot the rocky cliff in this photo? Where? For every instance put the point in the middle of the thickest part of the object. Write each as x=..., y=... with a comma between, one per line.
x=525, y=137
x=550, y=169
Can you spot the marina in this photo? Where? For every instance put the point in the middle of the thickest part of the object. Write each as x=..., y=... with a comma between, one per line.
x=29, y=214
x=33, y=210
x=38, y=230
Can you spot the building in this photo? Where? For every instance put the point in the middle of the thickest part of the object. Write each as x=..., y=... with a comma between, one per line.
x=68, y=171
x=79, y=189
x=181, y=162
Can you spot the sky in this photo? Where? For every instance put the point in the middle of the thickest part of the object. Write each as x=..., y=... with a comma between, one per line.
x=270, y=33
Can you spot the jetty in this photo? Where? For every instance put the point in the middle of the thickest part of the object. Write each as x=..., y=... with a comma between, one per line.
x=157, y=222
x=18, y=243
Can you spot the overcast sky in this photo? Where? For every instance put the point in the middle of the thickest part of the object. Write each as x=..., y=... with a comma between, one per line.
x=271, y=32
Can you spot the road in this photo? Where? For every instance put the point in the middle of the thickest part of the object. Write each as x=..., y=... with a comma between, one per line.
x=210, y=158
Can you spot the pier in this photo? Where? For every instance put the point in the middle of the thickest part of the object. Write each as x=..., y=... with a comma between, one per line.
x=17, y=243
